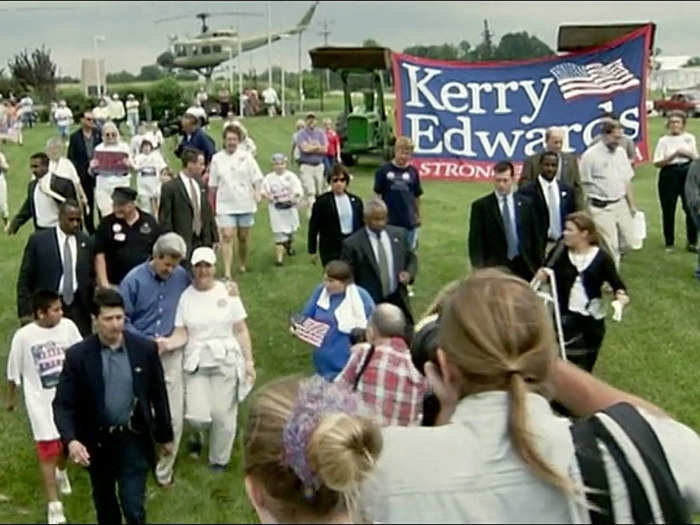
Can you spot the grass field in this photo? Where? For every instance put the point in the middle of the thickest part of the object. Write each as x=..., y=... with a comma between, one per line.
x=652, y=353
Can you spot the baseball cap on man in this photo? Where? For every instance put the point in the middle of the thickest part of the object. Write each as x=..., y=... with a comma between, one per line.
x=203, y=254
x=311, y=114
x=124, y=194
x=278, y=158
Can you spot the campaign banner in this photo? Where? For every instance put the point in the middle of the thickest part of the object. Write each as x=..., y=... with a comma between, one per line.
x=464, y=117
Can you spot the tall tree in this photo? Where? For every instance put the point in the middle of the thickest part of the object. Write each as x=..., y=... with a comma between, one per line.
x=370, y=42
x=36, y=71
x=519, y=46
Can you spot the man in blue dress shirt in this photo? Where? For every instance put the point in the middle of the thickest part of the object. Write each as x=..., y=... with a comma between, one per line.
x=151, y=292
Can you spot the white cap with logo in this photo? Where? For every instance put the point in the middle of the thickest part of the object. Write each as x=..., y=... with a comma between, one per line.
x=203, y=254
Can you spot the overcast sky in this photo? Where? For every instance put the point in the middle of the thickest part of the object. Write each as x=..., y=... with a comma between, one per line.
x=133, y=40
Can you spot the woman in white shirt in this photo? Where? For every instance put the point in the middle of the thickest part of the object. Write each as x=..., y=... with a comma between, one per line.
x=236, y=177
x=218, y=359
x=63, y=167
x=283, y=190
x=505, y=457
x=673, y=154
x=580, y=272
x=110, y=166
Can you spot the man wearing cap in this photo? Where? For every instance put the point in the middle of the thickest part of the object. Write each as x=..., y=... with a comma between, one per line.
x=312, y=144
x=124, y=239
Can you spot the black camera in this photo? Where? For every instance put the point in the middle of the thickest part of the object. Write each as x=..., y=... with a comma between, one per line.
x=358, y=335
x=423, y=349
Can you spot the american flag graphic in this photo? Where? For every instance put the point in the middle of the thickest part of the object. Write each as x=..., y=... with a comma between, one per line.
x=593, y=79
x=311, y=331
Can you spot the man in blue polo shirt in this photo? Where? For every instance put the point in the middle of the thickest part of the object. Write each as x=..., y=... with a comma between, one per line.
x=312, y=144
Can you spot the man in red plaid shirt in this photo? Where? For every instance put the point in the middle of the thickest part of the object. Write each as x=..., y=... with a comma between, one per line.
x=383, y=373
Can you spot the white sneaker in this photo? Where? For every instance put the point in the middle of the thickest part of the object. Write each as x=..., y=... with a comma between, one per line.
x=55, y=513
x=63, y=482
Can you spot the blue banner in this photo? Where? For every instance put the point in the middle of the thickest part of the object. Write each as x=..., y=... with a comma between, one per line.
x=465, y=117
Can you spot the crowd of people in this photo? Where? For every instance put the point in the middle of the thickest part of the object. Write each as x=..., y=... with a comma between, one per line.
x=129, y=341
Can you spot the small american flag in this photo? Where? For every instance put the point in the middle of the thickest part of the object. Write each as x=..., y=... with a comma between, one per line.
x=311, y=331
x=593, y=79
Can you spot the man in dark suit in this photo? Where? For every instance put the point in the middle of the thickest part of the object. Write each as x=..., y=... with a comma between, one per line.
x=503, y=229
x=381, y=257
x=184, y=206
x=567, y=165
x=59, y=259
x=335, y=215
x=44, y=193
x=81, y=149
x=110, y=407
x=552, y=200
x=193, y=136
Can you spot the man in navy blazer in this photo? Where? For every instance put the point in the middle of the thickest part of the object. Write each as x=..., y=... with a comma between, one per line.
x=503, y=230
x=194, y=137
x=543, y=190
x=110, y=407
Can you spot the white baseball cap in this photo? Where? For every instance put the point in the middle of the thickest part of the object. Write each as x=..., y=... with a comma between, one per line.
x=203, y=254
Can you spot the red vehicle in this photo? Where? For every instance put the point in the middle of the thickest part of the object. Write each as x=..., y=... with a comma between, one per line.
x=686, y=101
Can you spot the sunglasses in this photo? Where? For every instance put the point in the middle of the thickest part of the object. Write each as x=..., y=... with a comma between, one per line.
x=339, y=180
x=110, y=134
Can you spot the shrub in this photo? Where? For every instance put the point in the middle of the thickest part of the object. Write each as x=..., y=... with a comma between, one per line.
x=167, y=93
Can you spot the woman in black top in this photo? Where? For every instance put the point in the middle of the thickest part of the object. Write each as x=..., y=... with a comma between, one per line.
x=581, y=271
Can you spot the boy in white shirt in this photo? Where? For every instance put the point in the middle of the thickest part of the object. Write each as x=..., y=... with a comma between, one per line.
x=148, y=164
x=4, y=208
x=35, y=362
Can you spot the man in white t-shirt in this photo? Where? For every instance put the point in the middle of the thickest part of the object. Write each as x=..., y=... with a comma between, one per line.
x=64, y=118
x=35, y=362
x=236, y=178
x=270, y=99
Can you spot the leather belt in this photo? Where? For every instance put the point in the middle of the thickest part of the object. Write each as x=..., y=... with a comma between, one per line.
x=599, y=203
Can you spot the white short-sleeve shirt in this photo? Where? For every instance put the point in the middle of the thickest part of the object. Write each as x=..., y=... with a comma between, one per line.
x=35, y=362
x=208, y=315
x=669, y=144
x=605, y=173
x=235, y=177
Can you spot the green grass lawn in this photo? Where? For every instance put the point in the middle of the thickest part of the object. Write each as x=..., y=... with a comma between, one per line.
x=652, y=353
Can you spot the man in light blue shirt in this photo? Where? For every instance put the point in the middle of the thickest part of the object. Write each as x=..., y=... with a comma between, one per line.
x=312, y=144
x=151, y=292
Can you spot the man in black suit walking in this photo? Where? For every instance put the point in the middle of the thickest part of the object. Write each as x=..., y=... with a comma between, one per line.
x=381, y=257
x=184, y=206
x=59, y=259
x=552, y=199
x=503, y=229
x=110, y=407
x=44, y=193
x=81, y=149
x=335, y=215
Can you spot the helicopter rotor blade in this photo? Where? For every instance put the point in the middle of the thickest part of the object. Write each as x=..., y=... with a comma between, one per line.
x=207, y=15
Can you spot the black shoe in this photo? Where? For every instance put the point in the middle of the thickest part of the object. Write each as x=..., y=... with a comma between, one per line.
x=215, y=467
x=278, y=263
x=194, y=445
x=691, y=248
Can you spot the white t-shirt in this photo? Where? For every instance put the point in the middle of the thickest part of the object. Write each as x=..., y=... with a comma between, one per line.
x=63, y=116
x=208, y=316
x=235, y=176
x=35, y=362
x=270, y=95
x=148, y=168
x=132, y=106
x=669, y=144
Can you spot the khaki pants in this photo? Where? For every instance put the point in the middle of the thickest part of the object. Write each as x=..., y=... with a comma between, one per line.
x=211, y=403
x=614, y=224
x=172, y=370
x=311, y=178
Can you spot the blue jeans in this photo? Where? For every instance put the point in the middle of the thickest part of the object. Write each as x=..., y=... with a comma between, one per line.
x=122, y=460
x=413, y=238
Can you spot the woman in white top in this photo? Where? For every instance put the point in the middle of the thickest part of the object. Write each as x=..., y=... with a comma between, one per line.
x=63, y=167
x=218, y=359
x=236, y=177
x=505, y=457
x=148, y=165
x=581, y=270
x=673, y=154
x=110, y=166
x=283, y=190
x=4, y=208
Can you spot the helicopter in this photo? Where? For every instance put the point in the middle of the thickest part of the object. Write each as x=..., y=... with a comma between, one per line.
x=211, y=47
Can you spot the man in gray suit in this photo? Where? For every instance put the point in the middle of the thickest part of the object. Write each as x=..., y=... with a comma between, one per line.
x=567, y=167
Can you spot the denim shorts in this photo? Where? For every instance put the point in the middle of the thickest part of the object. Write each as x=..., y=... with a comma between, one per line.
x=236, y=220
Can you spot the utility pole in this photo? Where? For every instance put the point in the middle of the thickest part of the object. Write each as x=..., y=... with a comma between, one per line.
x=488, y=40
x=325, y=34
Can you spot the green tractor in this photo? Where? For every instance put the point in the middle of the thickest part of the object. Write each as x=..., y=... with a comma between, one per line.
x=366, y=129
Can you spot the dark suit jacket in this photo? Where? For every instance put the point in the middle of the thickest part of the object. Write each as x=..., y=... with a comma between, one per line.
x=569, y=174
x=176, y=213
x=60, y=185
x=42, y=268
x=78, y=408
x=77, y=153
x=357, y=251
x=567, y=203
x=324, y=225
x=487, y=236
